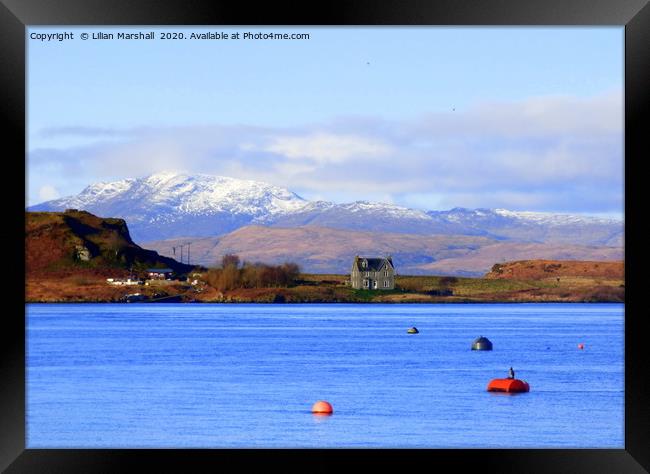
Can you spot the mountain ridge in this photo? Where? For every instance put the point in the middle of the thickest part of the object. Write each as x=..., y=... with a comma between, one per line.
x=328, y=250
x=168, y=204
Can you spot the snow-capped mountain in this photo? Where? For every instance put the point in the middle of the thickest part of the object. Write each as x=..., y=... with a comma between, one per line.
x=167, y=205
x=199, y=194
x=498, y=224
x=533, y=226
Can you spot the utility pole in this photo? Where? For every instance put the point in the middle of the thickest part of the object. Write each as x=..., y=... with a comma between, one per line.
x=188, y=252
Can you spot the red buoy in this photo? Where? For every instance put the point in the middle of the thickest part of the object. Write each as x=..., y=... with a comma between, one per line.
x=581, y=346
x=508, y=385
x=322, y=408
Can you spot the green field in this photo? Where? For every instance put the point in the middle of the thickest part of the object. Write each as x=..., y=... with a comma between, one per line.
x=456, y=289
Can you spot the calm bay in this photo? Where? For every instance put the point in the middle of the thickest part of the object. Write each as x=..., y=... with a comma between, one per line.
x=246, y=375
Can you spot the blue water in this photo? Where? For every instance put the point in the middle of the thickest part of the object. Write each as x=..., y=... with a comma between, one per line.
x=246, y=376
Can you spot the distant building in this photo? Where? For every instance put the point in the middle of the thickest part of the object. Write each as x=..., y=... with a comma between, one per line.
x=160, y=273
x=372, y=273
x=123, y=281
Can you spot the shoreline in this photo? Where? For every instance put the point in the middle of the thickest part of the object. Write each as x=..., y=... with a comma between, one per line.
x=330, y=302
x=331, y=289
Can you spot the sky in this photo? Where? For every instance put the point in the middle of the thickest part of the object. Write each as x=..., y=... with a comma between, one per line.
x=520, y=118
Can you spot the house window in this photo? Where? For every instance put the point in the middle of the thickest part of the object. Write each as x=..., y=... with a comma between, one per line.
x=365, y=283
x=367, y=274
x=386, y=273
x=374, y=284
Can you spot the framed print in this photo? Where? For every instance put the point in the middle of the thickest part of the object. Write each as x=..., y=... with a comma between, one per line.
x=399, y=233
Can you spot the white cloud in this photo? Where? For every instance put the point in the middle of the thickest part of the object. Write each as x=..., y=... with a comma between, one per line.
x=48, y=192
x=537, y=154
x=328, y=147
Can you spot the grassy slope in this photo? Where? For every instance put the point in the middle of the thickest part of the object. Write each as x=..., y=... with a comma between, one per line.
x=550, y=269
x=53, y=240
x=54, y=271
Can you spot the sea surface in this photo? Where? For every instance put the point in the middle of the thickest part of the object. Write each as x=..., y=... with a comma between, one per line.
x=246, y=376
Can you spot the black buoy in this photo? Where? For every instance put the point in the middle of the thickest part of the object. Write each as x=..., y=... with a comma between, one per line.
x=412, y=330
x=482, y=344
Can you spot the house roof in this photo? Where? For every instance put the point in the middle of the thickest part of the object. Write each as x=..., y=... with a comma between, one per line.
x=373, y=264
x=160, y=270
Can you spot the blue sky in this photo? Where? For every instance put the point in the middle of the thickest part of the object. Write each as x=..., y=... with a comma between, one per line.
x=434, y=118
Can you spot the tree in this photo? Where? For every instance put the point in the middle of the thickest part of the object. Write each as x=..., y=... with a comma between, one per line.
x=291, y=271
x=230, y=260
x=251, y=275
x=448, y=280
x=229, y=278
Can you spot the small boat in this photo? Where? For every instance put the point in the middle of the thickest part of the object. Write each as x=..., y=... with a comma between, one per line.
x=412, y=330
x=133, y=298
x=508, y=385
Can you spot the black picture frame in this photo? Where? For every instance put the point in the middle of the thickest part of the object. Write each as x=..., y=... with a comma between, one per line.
x=634, y=15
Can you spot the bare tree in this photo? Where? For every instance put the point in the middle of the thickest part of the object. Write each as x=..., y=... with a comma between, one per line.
x=230, y=260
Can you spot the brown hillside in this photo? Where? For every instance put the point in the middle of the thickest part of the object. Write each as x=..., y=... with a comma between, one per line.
x=323, y=249
x=481, y=260
x=61, y=242
x=543, y=269
x=328, y=250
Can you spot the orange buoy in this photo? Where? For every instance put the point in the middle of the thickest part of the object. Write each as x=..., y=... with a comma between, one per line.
x=508, y=385
x=322, y=408
x=581, y=346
